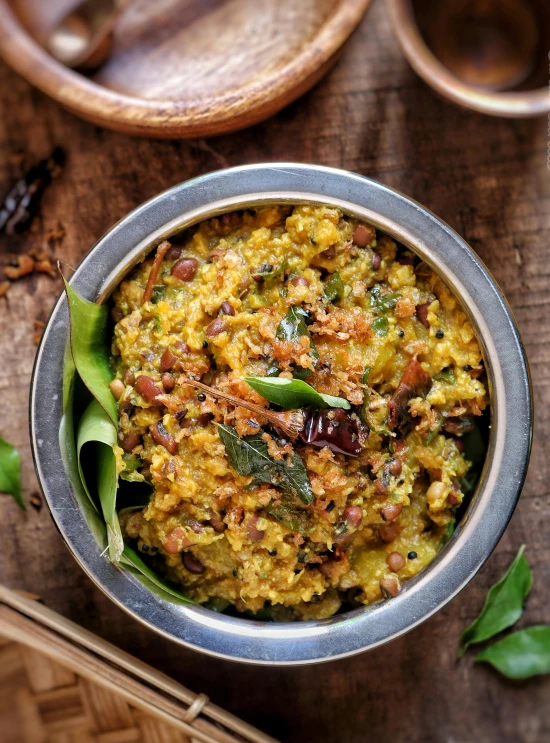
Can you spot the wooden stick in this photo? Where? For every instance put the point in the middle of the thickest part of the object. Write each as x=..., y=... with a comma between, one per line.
x=162, y=249
x=290, y=423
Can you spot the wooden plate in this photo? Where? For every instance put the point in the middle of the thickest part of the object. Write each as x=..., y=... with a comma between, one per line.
x=186, y=68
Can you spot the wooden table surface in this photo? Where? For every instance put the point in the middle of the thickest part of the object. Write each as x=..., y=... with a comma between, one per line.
x=488, y=179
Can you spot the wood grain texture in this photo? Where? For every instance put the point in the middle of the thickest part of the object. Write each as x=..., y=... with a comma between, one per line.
x=182, y=68
x=489, y=180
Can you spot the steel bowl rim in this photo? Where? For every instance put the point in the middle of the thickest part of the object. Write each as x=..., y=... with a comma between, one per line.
x=347, y=634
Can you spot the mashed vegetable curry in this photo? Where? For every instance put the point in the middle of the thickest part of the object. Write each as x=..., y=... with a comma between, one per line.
x=305, y=503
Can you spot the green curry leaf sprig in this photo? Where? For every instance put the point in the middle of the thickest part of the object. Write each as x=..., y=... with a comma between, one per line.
x=503, y=605
x=294, y=519
x=267, y=272
x=249, y=456
x=334, y=288
x=381, y=304
x=446, y=375
x=519, y=655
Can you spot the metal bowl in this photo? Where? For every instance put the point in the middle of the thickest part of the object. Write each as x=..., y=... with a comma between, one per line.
x=511, y=425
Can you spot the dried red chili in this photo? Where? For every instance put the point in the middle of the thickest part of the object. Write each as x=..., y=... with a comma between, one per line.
x=415, y=382
x=333, y=428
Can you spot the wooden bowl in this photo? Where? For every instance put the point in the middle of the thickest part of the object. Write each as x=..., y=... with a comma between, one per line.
x=490, y=57
x=186, y=68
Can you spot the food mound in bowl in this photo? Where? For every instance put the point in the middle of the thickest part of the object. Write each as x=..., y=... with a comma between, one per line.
x=297, y=389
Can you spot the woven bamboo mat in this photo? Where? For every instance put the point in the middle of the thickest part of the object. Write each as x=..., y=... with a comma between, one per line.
x=60, y=683
x=44, y=702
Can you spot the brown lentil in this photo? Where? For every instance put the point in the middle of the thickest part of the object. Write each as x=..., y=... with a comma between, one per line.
x=395, y=561
x=226, y=308
x=363, y=235
x=185, y=269
x=216, y=327
x=390, y=587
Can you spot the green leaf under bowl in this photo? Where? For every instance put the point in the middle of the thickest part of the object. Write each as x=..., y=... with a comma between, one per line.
x=131, y=561
x=10, y=472
x=67, y=445
x=90, y=351
x=97, y=438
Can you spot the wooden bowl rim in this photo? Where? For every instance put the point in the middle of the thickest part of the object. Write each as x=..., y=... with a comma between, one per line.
x=252, y=102
x=518, y=104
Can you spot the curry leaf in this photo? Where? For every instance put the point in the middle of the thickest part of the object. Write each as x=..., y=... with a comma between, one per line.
x=503, y=605
x=90, y=349
x=131, y=465
x=382, y=302
x=293, y=327
x=432, y=433
x=290, y=517
x=267, y=271
x=380, y=325
x=249, y=456
x=334, y=288
x=96, y=439
x=292, y=394
x=10, y=472
x=301, y=372
x=158, y=293
x=446, y=375
x=522, y=654
x=132, y=562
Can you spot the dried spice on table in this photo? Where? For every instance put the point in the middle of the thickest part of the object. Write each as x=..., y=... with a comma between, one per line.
x=22, y=202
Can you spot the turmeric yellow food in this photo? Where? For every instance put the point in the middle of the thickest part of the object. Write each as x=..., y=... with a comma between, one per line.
x=295, y=388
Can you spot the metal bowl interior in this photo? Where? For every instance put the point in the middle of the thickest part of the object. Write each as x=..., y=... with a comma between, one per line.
x=511, y=416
